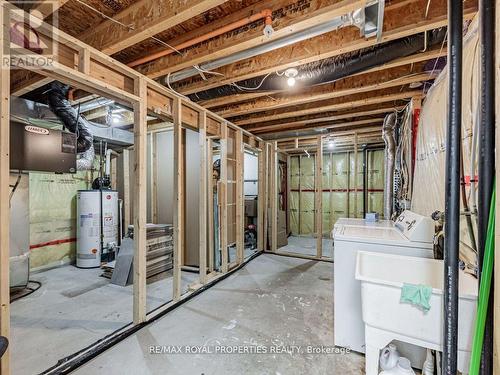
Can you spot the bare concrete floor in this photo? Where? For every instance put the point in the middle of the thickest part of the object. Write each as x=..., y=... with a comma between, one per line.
x=274, y=301
x=307, y=246
x=73, y=309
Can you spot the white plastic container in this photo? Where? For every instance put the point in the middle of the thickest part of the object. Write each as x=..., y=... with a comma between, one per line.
x=88, y=245
x=386, y=318
x=403, y=367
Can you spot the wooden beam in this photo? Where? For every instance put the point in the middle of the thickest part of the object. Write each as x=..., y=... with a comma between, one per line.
x=318, y=196
x=222, y=190
x=4, y=187
x=267, y=148
x=327, y=128
x=154, y=177
x=240, y=201
x=202, y=142
x=398, y=23
x=179, y=217
x=142, y=20
x=261, y=196
x=289, y=19
x=304, y=123
x=408, y=60
x=48, y=7
x=274, y=196
x=349, y=86
x=211, y=228
x=140, y=201
x=348, y=103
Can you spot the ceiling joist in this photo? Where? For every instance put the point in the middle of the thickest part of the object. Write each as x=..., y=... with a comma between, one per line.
x=291, y=17
x=346, y=104
x=143, y=20
x=412, y=59
x=399, y=23
x=305, y=124
x=348, y=86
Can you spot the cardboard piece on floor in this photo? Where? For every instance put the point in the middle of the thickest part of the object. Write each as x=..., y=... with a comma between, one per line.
x=123, y=272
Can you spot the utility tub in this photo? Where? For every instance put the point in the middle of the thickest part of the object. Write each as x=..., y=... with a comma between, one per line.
x=386, y=318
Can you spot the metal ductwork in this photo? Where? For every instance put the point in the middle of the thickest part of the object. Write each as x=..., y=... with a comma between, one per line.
x=330, y=70
x=388, y=129
x=60, y=105
x=368, y=19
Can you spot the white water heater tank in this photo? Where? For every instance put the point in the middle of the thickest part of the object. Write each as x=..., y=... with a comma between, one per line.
x=88, y=245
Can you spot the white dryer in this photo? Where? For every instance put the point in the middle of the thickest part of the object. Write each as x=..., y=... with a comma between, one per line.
x=411, y=234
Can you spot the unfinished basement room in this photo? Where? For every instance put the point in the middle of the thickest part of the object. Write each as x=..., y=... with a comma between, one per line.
x=262, y=187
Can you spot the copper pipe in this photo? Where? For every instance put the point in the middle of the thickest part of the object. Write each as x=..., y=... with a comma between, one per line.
x=264, y=14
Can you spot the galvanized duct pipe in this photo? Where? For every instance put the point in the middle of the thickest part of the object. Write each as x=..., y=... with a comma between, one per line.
x=333, y=69
x=452, y=188
x=59, y=104
x=388, y=129
x=317, y=30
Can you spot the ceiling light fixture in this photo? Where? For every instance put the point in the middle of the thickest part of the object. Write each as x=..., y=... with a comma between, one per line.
x=290, y=74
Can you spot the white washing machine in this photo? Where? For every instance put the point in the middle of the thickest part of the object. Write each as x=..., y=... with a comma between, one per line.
x=411, y=234
x=349, y=221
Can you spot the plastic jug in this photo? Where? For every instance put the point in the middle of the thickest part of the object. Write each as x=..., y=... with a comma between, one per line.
x=403, y=367
x=389, y=357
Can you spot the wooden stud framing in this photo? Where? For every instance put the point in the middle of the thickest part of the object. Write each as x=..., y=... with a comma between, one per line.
x=211, y=265
x=223, y=199
x=240, y=201
x=140, y=198
x=261, y=200
x=267, y=147
x=126, y=188
x=178, y=197
x=319, y=197
x=4, y=189
x=86, y=68
x=202, y=139
x=154, y=177
x=274, y=197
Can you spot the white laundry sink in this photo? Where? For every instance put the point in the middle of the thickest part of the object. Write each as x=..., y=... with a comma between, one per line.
x=386, y=318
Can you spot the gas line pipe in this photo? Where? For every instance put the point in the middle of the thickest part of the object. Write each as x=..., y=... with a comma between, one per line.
x=265, y=14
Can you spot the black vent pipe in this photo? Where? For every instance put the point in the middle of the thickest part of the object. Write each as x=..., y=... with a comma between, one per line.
x=58, y=103
x=452, y=191
x=486, y=163
x=330, y=70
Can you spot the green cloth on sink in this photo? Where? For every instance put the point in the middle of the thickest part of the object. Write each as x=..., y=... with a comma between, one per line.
x=418, y=295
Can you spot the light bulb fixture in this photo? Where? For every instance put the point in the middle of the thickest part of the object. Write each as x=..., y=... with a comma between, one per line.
x=115, y=118
x=290, y=74
x=331, y=144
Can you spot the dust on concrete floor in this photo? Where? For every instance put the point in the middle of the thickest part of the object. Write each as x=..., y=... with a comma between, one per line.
x=272, y=301
x=73, y=309
x=307, y=246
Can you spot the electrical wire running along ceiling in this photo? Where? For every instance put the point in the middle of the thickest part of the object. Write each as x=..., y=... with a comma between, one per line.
x=280, y=67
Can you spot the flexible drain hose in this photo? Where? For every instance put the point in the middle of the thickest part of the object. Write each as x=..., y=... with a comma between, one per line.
x=484, y=290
